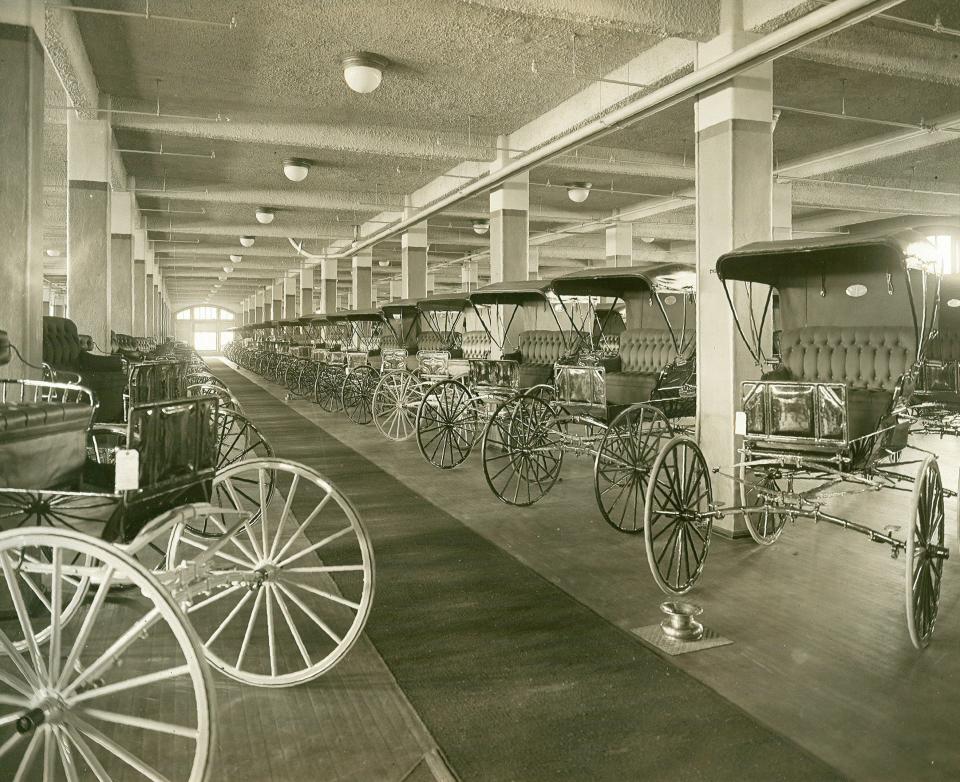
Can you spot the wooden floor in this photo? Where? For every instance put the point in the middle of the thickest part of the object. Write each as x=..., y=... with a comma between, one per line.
x=820, y=652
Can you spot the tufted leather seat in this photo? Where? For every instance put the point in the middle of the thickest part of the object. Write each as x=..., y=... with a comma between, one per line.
x=869, y=360
x=389, y=340
x=643, y=353
x=104, y=375
x=430, y=341
x=946, y=347
x=539, y=350
x=476, y=344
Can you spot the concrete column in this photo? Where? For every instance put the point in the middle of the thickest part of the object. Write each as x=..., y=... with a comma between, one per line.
x=413, y=262
x=362, y=280
x=328, y=287
x=258, y=306
x=151, y=301
x=734, y=204
x=139, y=326
x=533, y=263
x=89, y=294
x=58, y=306
x=122, y=215
x=290, y=302
x=277, y=289
x=431, y=283
x=510, y=230
x=469, y=276
x=21, y=186
x=782, y=210
x=620, y=244
x=306, y=290
x=396, y=290
x=267, y=303
x=157, y=303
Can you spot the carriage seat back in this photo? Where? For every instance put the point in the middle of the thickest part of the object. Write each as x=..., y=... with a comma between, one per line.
x=543, y=346
x=646, y=350
x=946, y=347
x=863, y=357
x=430, y=341
x=476, y=344
x=5, y=353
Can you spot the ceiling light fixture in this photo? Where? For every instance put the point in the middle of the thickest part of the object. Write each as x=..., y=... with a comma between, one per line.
x=234, y=258
x=264, y=215
x=53, y=253
x=363, y=71
x=647, y=239
x=384, y=262
x=296, y=169
x=228, y=268
x=247, y=241
x=578, y=191
x=481, y=227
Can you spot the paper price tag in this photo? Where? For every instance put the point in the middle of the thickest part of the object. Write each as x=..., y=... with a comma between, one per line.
x=128, y=470
x=740, y=423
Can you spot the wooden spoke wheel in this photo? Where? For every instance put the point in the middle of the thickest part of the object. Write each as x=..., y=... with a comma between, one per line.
x=120, y=692
x=307, y=380
x=291, y=375
x=759, y=488
x=295, y=587
x=357, y=394
x=678, y=516
x=924, y=566
x=395, y=402
x=329, y=387
x=522, y=450
x=448, y=422
x=622, y=467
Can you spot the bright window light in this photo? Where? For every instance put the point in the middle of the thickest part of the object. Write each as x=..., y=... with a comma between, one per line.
x=944, y=245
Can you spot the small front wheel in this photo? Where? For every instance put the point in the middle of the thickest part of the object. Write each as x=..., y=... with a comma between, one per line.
x=678, y=516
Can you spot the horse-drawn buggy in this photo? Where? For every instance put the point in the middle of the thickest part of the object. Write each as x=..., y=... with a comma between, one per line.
x=830, y=417
x=125, y=578
x=616, y=401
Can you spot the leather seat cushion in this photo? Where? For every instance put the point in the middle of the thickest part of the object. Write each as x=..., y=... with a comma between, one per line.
x=535, y=374
x=624, y=388
x=430, y=341
x=42, y=445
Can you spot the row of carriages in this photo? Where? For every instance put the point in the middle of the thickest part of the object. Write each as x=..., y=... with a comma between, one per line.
x=853, y=342
x=142, y=548
x=139, y=553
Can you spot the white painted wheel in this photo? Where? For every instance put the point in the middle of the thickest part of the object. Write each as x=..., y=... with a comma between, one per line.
x=124, y=689
x=395, y=402
x=302, y=575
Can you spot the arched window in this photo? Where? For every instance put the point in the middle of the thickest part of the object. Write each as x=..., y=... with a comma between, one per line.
x=205, y=327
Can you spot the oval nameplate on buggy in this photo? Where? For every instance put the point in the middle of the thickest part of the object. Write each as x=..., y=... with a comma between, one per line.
x=953, y=303
x=856, y=291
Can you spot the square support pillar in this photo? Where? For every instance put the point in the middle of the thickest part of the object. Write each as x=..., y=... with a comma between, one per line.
x=619, y=244
x=328, y=286
x=291, y=309
x=734, y=206
x=510, y=230
x=413, y=262
x=396, y=290
x=277, y=291
x=259, y=315
x=306, y=290
x=267, y=295
x=469, y=276
x=21, y=192
x=782, y=210
x=89, y=292
x=122, y=212
x=431, y=283
x=362, y=280
x=533, y=263
x=139, y=325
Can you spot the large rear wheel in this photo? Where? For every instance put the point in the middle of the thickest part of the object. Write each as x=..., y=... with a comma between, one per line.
x=357, y=394
x=924, y=565
x=395, y=402
x=448, y=423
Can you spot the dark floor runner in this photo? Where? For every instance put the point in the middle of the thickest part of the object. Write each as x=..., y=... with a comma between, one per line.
x=514, y=678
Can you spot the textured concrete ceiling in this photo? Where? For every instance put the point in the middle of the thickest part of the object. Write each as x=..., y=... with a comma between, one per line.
x=461, y=73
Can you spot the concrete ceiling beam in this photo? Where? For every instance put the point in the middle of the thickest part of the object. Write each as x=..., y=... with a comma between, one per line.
x=869, y=199
x=875, y=149
x=831, y=219
x=280, y=229
x=694, y=19
x=889, y=52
